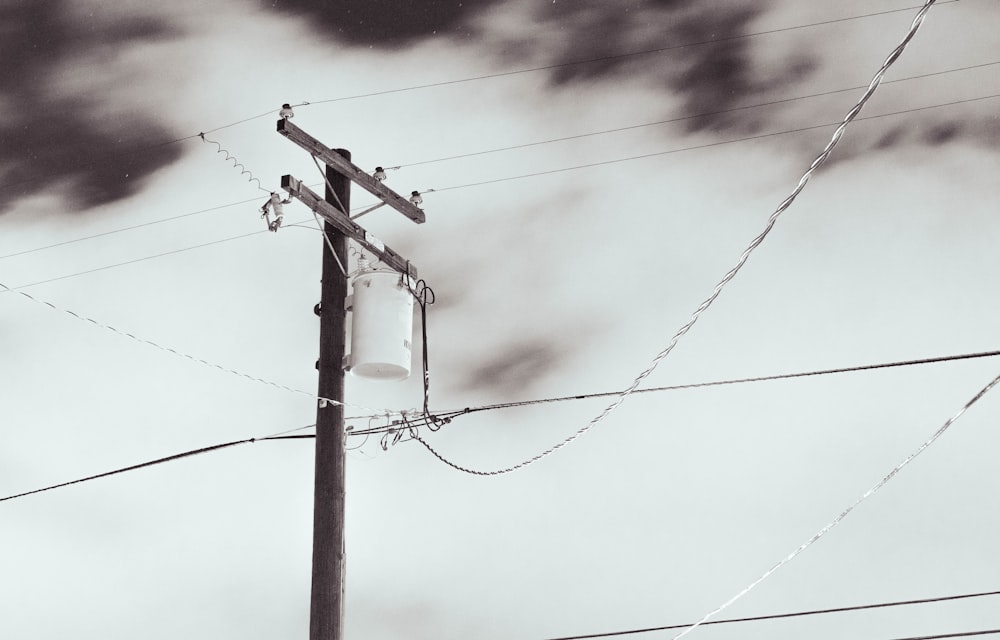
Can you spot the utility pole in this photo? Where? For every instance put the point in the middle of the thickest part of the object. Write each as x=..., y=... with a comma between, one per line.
x=326, y=612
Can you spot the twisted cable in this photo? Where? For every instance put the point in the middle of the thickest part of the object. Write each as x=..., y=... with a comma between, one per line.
x=772, y=219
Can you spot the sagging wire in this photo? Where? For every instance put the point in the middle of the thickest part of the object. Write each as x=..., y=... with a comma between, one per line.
x=177, y=353
x=728, y=277
x=236, y=163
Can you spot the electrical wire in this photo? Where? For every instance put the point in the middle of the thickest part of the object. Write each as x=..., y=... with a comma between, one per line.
x=152, y=463
x=840, y=518
x=471, y=185
x=179, y=353
x=453, y=414
x=129, y=228
x=708, y=145
x=681, y=118
x=487, y=77
x=756, y=242
x=574, y=137
x=942, y=636
x=619, y=56
x=134, y=261
x=797, y=614
x=425, y=297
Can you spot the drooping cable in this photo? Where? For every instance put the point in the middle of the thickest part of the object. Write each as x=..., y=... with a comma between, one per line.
x=398, y=433
x=778, y=616
x=175, y=352
x=772, y=219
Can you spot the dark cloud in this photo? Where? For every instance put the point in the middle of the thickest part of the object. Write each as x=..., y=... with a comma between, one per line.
x=942, y=133
x=49, y=139
x=515, y=367
x=386, y=24
x=697, y=51
x=711, y=76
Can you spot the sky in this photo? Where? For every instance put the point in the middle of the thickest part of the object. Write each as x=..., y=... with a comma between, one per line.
x=150, y=313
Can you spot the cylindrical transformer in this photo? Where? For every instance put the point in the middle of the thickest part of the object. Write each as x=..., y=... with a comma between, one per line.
x=382, y=326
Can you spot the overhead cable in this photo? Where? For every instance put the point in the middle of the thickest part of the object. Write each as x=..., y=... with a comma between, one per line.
x=451, y=415
x=708, y=145
x=777, y=616
x=283, y=436
x=152, y=463
x=501, y=74
x=607, y=58
x=867, y=494
x=464, y=186
x=705, y=114
x=742, y=260
x=576, y=137
x=178, y=353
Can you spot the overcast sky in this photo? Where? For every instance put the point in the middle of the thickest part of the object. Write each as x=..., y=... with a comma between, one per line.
x=565, y=282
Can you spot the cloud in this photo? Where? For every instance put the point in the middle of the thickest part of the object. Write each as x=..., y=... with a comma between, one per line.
x=698, y=53
x=58, y=129
x=385, y=24
x=515, y=367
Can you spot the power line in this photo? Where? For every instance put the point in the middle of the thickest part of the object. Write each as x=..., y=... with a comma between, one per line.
x=953, y=635
x=129, y=228
x=813, y=612
x=180, y=354
x=843, y=514
x=619, y=56
x=684, y=118
x=151, y=463
x=707, y=145
x=134, y=261
x=487, y=77
x=452, y=414
x=564, y=139
x=464, y=186
x=728, y=277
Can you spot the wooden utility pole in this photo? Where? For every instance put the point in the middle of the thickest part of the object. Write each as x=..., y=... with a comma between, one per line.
x=326, y=612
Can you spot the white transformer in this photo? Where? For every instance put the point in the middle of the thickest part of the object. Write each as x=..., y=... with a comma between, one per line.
x=381, y=327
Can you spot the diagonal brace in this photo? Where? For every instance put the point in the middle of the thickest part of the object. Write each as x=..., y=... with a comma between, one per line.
x=345, y=225
x=351, y=171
